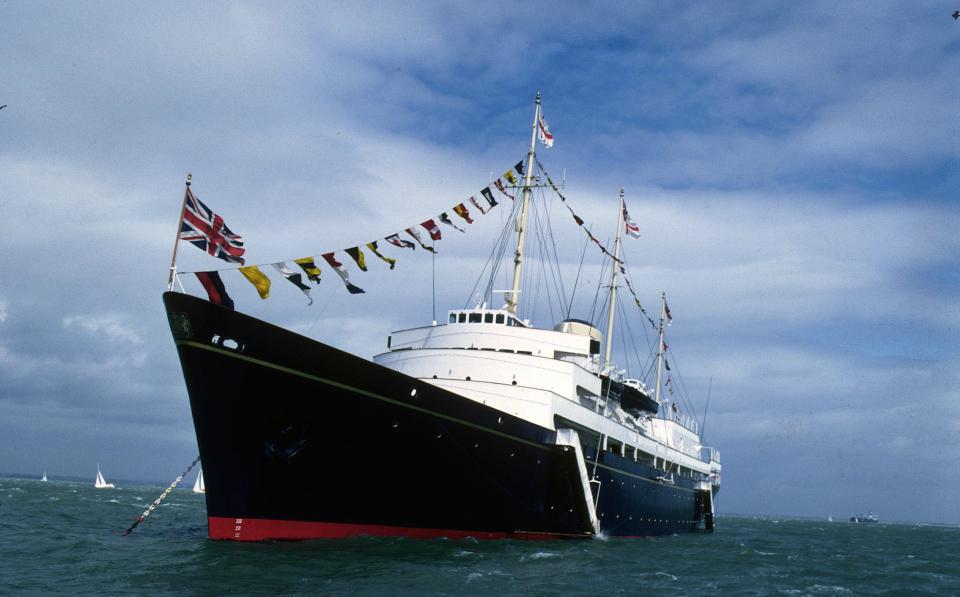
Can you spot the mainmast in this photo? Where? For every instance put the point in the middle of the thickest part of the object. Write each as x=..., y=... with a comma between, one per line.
x=513, y=295
x=613, y=287
x=663, y=307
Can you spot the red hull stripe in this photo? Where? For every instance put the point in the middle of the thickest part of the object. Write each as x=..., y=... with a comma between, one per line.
x=259, y=529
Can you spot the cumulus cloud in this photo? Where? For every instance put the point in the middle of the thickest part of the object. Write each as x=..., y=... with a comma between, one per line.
x=109, y=326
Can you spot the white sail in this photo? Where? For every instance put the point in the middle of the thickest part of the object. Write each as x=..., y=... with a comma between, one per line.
x=44, y=477
x=198, y=486
x=101, y=483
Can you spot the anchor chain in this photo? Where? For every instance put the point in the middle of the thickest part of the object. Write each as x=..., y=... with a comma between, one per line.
x=162, y=497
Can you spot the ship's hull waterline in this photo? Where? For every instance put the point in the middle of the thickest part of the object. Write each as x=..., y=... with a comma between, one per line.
x=300, y=440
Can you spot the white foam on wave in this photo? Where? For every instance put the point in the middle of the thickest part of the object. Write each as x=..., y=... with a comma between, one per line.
x=829, y=590
x=478, y=575
x=539, y=555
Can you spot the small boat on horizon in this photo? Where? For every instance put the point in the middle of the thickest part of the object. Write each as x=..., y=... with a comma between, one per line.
x=198, y=486
x=871, y=517
x=101, y=483
x=43, y=479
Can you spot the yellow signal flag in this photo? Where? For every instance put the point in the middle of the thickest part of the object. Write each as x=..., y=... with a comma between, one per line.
x=307, y=265
x=510, y=177
x=373, y=247
x=357, y=255
x=259, y=280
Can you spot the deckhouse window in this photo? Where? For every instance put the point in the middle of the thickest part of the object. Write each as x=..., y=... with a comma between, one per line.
x=499, y=317
x=488, y=318
x=463, y=317
x=453, y=318
x=475, y=318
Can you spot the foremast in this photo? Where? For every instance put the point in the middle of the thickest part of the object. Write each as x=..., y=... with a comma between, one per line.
x=513, y=295
x=613, y=291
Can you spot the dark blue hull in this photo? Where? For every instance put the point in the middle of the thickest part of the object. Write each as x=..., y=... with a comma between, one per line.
x=301, y=440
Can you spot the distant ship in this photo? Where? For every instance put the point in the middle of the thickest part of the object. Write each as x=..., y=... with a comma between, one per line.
x=871, y=517
x=483, y=426
x=101, y=483
x=198, y=486
x=44, y=477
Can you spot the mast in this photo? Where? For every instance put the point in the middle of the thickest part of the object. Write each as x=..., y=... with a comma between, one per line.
x=513, y=296
x=663, y=303
x=613, y=287
x=176, y=243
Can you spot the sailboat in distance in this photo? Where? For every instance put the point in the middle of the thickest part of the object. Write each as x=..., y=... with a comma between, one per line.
x=198, y=486
x=101, y=483
x=44, y=477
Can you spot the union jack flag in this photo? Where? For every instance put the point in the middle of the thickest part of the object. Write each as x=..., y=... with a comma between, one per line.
x=208, y=231
x=632, y=229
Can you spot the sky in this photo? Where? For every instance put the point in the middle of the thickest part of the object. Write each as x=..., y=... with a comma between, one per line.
x=792, y=168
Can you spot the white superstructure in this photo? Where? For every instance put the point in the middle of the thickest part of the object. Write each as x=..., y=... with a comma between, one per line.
x=550, y=378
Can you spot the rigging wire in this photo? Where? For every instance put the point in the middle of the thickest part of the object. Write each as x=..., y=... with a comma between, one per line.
x=576, y=281
x=703, y=423
x=536, y=274
x=550, y=261
x=603, y=276
x=537, y=259
x=682, y=390
x=558, y=277
x=493, y=262
x=625, y=325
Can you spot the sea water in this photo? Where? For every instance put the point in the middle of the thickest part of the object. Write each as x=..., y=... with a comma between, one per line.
x=61, y=537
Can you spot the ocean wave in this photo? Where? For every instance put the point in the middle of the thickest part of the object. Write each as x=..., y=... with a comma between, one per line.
x=829, y=590
x=539, y=555
x=475, y=576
